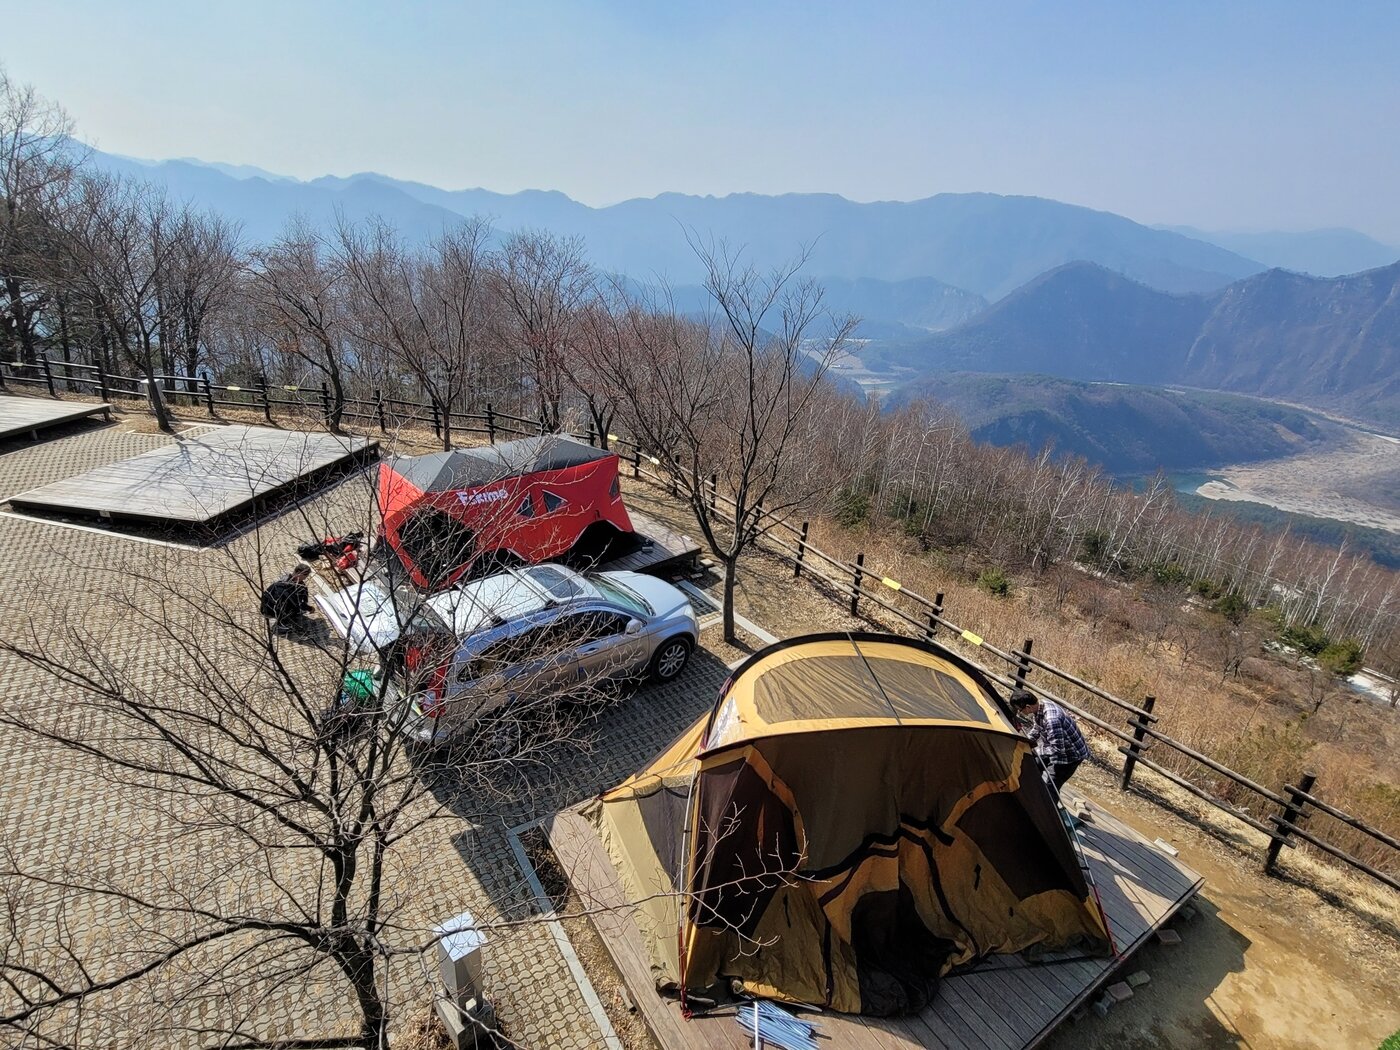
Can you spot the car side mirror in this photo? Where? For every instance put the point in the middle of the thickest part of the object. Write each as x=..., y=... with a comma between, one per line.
x=633, y=627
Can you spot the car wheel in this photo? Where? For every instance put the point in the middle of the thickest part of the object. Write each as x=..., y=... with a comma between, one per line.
x=670, y=658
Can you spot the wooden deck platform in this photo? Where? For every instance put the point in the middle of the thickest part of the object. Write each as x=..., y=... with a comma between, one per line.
x=198, y=479
x=661, y=551
x=26, y=416
x=1001, y=1004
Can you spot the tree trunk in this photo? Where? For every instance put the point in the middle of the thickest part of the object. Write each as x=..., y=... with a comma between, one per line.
x=731, y=567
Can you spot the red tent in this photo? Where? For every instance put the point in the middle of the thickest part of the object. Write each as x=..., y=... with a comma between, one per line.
x=524, y=501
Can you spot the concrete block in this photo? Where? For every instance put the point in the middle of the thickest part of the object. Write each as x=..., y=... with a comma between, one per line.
x=1168, y=937
x=1102, y=1005
x=1119, y=992
x=1166, y=847
x=1189, y=913
x=1137, y=980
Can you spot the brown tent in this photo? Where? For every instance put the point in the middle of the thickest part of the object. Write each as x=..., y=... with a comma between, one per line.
x=855, y=817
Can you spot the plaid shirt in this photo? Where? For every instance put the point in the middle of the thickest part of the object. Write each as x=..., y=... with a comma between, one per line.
x=1057, y=739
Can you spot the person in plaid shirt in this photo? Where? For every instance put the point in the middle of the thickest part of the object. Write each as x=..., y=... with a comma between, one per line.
x=1057, y=740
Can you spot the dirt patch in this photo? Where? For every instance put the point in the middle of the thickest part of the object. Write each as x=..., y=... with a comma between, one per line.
x=1266, y=963
x=592, y=954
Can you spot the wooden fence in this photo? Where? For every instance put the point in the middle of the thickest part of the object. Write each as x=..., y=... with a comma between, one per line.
x=849, y=583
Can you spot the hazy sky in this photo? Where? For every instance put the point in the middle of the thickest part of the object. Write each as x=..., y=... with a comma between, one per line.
x=1221, y=115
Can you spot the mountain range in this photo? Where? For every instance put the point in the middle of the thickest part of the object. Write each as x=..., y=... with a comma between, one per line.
x=981, y=243
x=1333, y=343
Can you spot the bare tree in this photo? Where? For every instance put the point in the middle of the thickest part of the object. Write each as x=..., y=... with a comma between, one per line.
x=122, y=239
x=38, y=160
x=737, y=399
x=543, y=282
x=427, y=312
x=302, y=304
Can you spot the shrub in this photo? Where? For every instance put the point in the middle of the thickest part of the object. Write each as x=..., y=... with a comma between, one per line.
x=1168, y=573
x=1094, y=546
x=852, y=508
x=1305, y=638
x=1342, y=658
x=1233, y=607
x=994, y=582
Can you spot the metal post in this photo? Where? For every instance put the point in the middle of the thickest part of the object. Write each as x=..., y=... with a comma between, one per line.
x=208, y=395
x=102, y=383
x=325, y=401
x=490, y=423
x=1023, y=664
x=266, y=396
x=1139, y=724
x=592, y=433
x=801, y=552
x=1292, y=814
x=636, y=461
x=48, y=374
x=437, y=425
x=855, y=587
x=714, y=492
x=379, y=410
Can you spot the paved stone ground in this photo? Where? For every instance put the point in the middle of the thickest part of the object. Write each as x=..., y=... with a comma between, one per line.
x=60, y=815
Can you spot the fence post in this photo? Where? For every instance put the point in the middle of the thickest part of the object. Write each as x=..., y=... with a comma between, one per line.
x=1139, y=724
x=592, y=433
x=266, y=396
x=437, y=424
x=2, y=375
x=1292, y=813
x=209, y=395
x=48, y=374
x=859, y=573
x=933, y=616
x=102, y=383
x=543, y=428
x=1023, y=664
x=714, y=492
x=801, y=552
x=379, y=411
x=325, y=401
x=490, y=423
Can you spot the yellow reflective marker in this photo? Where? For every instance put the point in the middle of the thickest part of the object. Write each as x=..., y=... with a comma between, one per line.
x=614, y=437
x=292, y=388
x=654, y=461
x=891, y=584
x=975, y=639
x=235, y=389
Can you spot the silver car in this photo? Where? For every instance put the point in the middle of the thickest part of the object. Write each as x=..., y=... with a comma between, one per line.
x=522, y=634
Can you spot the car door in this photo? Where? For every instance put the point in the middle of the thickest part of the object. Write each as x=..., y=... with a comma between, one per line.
x=605, y=649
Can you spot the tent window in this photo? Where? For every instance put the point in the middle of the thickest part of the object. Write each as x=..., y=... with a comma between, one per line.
x=553, y=502
x=527, y=508
x=614, y=490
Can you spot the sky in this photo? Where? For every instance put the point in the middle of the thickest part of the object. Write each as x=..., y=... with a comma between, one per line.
x=1239, y=116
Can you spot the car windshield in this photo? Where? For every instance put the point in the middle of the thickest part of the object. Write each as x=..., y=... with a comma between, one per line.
x=620, y=595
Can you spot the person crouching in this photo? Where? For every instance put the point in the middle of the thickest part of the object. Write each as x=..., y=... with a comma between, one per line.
x=287, y=601
x=1058, y=742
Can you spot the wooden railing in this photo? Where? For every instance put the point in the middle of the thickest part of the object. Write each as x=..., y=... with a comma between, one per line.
x=850, y=584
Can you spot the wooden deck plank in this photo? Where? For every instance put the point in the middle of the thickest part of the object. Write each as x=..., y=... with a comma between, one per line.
x=29, y=415
x=196, y=478
x=662, y=548
x=1004, y=1004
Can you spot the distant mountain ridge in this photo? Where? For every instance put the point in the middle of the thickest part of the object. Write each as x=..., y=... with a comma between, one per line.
x=1321, y=253
x=981, y=243
x=1331, y=343
x=1129, y=430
